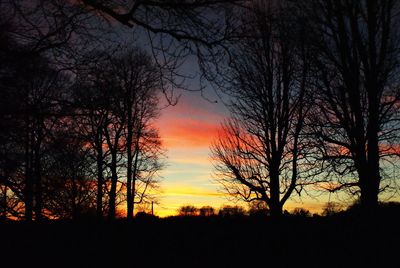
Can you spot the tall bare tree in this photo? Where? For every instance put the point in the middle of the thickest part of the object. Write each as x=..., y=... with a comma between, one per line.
x=119, y=99
x=356, y=46
x=90, y=101
x=36, y=88
x=140, y=83
x=259, y=151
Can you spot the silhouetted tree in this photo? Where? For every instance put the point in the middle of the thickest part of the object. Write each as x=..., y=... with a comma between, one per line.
x=331, y=208
x=206, y=211
x=258, y=208
x=118, y=96
x=99, y=100
x=91, y=102
x=140, y=82
x=300, y=212
x=356, y=119
x=33, y=91
x=188, y=210
x=147, y=163
x=231, y=211
x=258, y=153
x=11, y=152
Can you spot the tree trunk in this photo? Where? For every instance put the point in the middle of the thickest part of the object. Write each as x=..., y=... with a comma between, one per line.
x=134, y=171
x=38, y=182
x=74, y=207
x=99, y=200
x=28, y=198
x=370, y=184
x=276, y=209
x=129, y=196
x=369, y=179
x=4, y=201
x=28, y=190
x=369, y=194
x=113, y=190
x=275, y=205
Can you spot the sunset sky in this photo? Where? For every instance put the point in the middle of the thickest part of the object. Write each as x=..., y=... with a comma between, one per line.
x=187, y=130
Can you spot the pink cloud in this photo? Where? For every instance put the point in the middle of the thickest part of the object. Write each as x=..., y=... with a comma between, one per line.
x=187, y=125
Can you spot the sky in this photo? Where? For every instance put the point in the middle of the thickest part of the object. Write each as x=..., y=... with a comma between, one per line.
x=187, y=130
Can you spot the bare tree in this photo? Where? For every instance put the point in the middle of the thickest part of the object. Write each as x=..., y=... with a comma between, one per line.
x=231, y=211
x=11, y=152
x=206, y=211
x=119, y=95
x=188, y=211
x=147, y=163
x=258, y=153
x=91, y=104
x=33, y=90
x=101, y=120
x=356, y=118
x=140, y=82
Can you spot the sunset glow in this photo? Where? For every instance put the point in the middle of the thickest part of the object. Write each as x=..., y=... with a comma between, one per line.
x=187, y=130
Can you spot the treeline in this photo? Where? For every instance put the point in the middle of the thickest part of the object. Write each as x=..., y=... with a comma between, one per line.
x=260, y=210
x=224, y=211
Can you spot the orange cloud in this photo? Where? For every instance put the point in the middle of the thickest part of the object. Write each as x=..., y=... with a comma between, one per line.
x=186, y=132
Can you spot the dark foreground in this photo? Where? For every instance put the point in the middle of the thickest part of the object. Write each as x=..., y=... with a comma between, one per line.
x=342, y=241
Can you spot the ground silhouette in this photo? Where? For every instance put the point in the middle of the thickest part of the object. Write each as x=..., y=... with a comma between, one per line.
x=297, y=241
